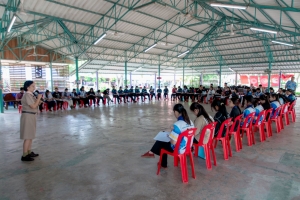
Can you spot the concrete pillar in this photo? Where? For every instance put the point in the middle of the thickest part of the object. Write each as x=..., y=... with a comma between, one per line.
x=130, y=79
x=236, y=78
x=97, y=80
x=77, y=74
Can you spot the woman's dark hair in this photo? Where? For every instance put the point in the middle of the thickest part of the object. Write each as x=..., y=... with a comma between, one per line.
x=181, y=110
x=91, y=89
x=202, y=111
x=265, y=98
x=255, y=102
x=27, y=84
x=274, y=96
x=236, y=102
x=249, y=98
x=221, y=105
x=21, y=88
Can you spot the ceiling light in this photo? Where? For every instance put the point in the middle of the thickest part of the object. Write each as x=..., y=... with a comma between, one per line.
x=283, y=43
x=263, y=30
x=228, y=6
x=150, y=47
x=183, y=53
x=97, y=41
x=11, y=23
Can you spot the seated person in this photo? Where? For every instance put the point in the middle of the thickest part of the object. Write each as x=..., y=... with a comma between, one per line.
x=264, y=102
x=180, y=126
x=20, y=95
x=145, y=93
x=233, y=103
x=258, y=108
x=75, y=97
x=271, y=90
x=152, y=92
x=41, y=101
x=179, y=93
x=282, y=96
x=115, y=94
x=159, y=91
x=198, y=93
x=247, y=93
x=98, y=97
x=138, y=93
x=91, y=95
x=210, y=94
x=132, y=94
x=68, y=98
x=173, y=95
x=166, y=92
x=257, y=93
x=121, y=94
x=127, y=93
x=106, y=96
x=219, y=90
x=49, y=100
x=220, y=116
x=290, y=95
x=83, y=97
x=202, y=120
x=248, y=110
x=274, y=102
x=58, y=98
x=203, y=94
x=184, y=93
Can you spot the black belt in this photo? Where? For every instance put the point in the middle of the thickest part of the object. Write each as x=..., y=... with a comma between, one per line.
x=29, y=112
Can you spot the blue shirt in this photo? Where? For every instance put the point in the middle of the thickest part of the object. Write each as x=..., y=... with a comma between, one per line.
x=291, y=98
x=248, y=110
x=137, y=90
x=114, y=91
x=291, y=85
x=151, y=90
x=131, y=90
x=274, y=105
x=179, y=127
x=258, y=109
x=120, y=91
x=144, y=90
x=159, y=90
x=166, y=90
x=126, y=91
x=179, y=90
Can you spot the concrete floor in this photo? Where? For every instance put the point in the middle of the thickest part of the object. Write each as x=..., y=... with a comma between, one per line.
x=94, y=153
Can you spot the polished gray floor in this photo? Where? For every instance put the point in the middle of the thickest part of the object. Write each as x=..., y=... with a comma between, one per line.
x=94, y=153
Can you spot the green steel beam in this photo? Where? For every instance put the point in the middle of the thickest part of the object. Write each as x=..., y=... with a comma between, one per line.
x=1, y=94
x=255, y=5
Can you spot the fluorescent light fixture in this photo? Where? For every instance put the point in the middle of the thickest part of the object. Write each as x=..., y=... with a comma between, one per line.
x=283, y=43
x=231, y=69
x=183, y=53
x=11, y=23
x=150, y=47
x=97, y=41
x=263, y=30
x=228, y=6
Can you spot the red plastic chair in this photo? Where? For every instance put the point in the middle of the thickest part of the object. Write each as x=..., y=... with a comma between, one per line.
x=284, y=108
x=65, y=105
x=189, y=134
x=236, y=134
x=20, y=108
x=260, y=126
x=208, y=146
x=268, y=122
x=276, y=118
x=291, y=111
x=225, y=140
x=81, y=104
x=45, y=106
x=248, y=129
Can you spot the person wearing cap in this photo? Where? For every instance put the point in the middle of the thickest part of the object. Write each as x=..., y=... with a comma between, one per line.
x=290, y=96
x=83, y=96
x=68, y=98
x=30, y=104
x=75, y=97
x=20, y=95
x=58, y=98
x=106, y=96
x=121, y=94
x=138, y=93
x=291, y=84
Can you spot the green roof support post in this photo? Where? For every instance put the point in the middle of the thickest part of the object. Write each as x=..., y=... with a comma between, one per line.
x=220, y=76
x=77, y=74
x=125, y=82
x=1, y=95
x=97, y=80
x=159, y=71
x=269, y=54
x=269, y=76
x=51, y=75
x=183, y=74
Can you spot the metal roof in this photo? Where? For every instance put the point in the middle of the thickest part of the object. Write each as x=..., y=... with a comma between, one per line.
x=70, y=27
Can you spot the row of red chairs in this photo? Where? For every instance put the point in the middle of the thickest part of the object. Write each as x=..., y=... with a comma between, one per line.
x=264, y=119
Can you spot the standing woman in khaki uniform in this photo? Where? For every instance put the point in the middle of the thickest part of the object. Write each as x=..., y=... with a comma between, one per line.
x=30, y=105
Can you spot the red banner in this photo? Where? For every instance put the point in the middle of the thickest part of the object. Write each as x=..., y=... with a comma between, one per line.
x=244, y=79
x=285, y=77
x=264, y=81
x=275, y=80
x=254, y=80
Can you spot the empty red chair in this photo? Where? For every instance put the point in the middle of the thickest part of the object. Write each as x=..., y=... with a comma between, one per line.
x=276, y=118
x=248, y=129
x=268, y=122
x=259, y=125
x=189, y=134
x=208, y=146
x=236, y=134
x=225, y=140
x=291, y=111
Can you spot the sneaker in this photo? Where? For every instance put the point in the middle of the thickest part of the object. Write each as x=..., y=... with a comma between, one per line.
x=27, y=158
x=32, y=154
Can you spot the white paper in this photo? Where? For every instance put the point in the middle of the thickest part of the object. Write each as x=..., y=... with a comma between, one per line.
x=162, y=136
